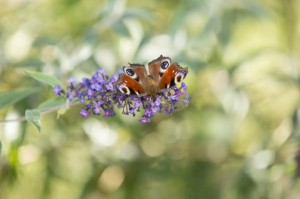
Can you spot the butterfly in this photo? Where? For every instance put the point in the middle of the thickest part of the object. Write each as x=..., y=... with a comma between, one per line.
x=160, y=74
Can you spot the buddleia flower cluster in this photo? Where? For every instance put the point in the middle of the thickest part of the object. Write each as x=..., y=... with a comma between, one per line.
x=100, y=97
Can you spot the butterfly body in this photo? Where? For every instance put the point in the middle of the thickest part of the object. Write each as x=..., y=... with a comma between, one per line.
x=161, y=74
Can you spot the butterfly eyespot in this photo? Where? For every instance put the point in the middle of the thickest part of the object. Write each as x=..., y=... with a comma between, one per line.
x=164, y=65
x=124, y=89
x=130, y=72
x=179, y=77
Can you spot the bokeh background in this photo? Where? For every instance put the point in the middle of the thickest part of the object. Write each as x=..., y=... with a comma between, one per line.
x=237, y=139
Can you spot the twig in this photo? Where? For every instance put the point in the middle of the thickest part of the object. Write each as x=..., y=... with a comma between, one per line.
x=45, y=111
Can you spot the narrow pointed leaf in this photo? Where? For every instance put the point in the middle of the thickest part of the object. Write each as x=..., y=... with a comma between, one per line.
x=34, y=117
x=46, y=79
x=8, y=98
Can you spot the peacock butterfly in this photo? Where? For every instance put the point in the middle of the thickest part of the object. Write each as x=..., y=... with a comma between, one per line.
x=160, y=74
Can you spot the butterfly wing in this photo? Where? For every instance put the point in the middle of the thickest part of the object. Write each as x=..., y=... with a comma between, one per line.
x=165, y=72
x=155, y=67
x=172, y=76
x=131, y=82
x=129, y=86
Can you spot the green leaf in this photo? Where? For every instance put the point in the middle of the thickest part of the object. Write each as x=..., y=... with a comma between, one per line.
x=8, y=98
x=0, y=147
x=53, y=102
x=34, y=117
x=46, y=79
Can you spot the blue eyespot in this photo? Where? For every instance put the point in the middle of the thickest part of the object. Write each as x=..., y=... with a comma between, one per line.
x=129, y=72
x=164, y=65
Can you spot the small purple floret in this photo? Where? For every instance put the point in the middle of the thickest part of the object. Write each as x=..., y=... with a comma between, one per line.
x=71, y=80
x=96, y=109
x=144, y=120
x=84, y=113
x=57, y=90
x=109, y=86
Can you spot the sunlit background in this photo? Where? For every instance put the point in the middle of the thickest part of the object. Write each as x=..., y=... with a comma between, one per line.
x=238, y=138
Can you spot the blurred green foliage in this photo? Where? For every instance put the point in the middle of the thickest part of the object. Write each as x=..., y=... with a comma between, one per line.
x=237, y=139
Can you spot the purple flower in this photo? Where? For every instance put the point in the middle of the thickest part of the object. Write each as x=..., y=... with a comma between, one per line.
x=71, y=80
x=169, y=110
x=90, y=93
x=100, y=71
x=115, y=78
x=57, y=90
x=187, y=100
x=85, y=81
x=131, y=111
x=100, y=102
x=96, y=86
x=155, y=106
x=96, y=110
x=157, y=101
x=144, y=120
x=81, y=99
x=84, y=113
x=71, y=95
x=184, y=86
x=109, y=86
x=137, y=103
x=99, y=79
x=149, y=113
x=109, y=113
